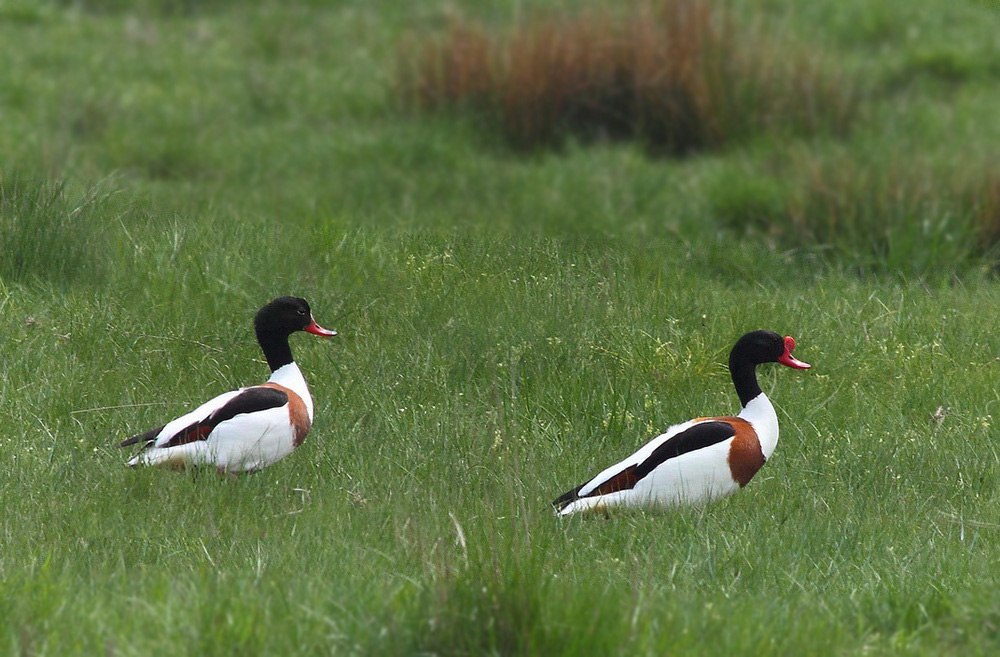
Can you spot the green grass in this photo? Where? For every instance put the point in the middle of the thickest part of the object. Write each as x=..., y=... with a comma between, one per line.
x=509, y=326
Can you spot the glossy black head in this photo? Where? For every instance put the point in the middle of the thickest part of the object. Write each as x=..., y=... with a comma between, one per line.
x=759, y=347
x=283, y=316
x=279, y=319
x=753, y=349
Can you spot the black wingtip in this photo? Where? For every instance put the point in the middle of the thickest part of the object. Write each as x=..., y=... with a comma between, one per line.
x=566, y=498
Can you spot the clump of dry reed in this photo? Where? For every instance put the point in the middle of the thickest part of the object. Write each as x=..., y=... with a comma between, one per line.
x=679, y=75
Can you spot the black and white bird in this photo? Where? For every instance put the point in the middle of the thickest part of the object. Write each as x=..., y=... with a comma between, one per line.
x=702, y=459
x=250, y=428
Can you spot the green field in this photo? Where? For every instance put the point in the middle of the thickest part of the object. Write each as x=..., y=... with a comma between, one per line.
x=510, y=323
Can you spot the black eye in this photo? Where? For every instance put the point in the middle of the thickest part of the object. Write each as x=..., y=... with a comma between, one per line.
x=300, y=311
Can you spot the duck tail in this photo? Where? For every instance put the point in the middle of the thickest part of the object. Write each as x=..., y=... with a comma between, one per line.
x=147, y=437
x=566, y=498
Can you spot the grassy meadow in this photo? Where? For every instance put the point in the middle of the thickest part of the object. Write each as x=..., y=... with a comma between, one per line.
x=515, y=314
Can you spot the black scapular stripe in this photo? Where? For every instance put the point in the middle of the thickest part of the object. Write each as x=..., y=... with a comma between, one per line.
x=248, y=401
x=700, y=435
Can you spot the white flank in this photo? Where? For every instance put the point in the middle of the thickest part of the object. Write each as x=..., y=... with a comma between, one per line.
x=694, y=477
x=248, y=441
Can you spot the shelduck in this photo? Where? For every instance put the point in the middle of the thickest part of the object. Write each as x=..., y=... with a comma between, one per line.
x=250, y=428
x=702, y=459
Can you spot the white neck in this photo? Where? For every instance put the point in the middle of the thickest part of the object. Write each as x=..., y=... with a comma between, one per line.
x=760, y=414
x=291, y=377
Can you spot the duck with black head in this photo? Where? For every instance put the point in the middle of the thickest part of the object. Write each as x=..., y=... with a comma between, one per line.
x=250, y=428
x=702, y=459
